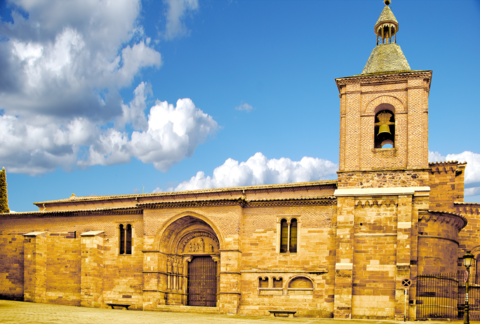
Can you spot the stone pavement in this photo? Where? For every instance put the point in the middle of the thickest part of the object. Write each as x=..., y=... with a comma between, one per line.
x=26, y=313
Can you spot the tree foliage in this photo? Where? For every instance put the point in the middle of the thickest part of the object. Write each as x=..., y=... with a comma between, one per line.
x=3, y=192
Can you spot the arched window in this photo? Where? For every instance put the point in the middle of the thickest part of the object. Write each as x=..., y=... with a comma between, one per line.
x=128, y=245
x=293, y=236
x=263, y=282
x=125, y=239
x=288, y=236
x=301, y=283
x=122, y=239
x=284, y=236
x=278, y=282
x=384, y=129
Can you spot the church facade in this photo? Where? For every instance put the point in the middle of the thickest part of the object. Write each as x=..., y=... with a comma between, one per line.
x=337, y=248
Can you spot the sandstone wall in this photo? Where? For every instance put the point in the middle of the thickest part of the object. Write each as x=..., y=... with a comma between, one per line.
x=446, y=185
x=314, y=260
x=52, y=261
x=11, y=266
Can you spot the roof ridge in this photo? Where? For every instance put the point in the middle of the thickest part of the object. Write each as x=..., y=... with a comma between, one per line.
x=186, y=192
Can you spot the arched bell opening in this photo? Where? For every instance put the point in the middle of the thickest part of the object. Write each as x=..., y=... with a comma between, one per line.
x=192, y=262
x=384, y=131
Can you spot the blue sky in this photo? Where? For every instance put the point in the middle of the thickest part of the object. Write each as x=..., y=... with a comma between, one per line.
x=90, y=90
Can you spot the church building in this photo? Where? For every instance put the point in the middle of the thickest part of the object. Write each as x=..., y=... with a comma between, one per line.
x=338, y=248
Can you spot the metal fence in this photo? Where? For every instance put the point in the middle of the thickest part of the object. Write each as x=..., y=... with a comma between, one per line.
x=443, y=296
x=437, y=296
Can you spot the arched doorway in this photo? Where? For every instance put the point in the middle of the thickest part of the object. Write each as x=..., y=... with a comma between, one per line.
x=192, y=264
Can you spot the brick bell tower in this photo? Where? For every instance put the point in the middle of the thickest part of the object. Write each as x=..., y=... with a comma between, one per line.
x=383, y=178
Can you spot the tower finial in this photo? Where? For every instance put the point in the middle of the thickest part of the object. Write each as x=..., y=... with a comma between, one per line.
x=387, y=2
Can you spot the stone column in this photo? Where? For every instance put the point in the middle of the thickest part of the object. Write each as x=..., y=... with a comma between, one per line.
x=186, y=261
x=35, y=267
x=230, y=281
x=216, y=259
x=92, y=269
x=344, y=259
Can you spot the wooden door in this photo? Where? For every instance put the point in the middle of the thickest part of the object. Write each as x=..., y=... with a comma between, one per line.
x=202, y=282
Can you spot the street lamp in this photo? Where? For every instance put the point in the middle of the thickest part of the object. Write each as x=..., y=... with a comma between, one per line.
x=467, y=262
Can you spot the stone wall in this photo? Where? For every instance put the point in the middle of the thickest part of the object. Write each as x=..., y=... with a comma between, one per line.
x=383, y=179
x=62, y=281
x=11, y=266
x=52, y=261
x=314, y=260
x=446, y=185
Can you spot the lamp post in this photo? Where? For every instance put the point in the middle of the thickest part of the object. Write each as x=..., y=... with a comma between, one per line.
x=467, y=262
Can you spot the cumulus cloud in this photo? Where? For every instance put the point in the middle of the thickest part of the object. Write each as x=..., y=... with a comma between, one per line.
x=244, y=107
x=63, y=64
x=472, y=171
x=258, y=170
x=177, y=9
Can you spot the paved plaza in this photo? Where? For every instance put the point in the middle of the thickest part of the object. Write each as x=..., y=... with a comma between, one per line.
x=23, y=312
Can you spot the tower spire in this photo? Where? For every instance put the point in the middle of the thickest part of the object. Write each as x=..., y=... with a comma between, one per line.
x=387, y=56
x=387, y=25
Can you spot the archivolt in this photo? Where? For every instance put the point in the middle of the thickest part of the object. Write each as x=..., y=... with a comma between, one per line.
x=394, y=101
x=161, y=231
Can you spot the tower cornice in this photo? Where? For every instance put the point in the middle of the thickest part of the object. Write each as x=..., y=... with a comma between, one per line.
x=385, y=77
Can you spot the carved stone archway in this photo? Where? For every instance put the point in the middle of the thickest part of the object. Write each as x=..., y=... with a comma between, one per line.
x=187, y=239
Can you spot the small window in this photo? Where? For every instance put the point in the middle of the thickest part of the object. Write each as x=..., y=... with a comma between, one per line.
x=125, y=239
x=263, y=282
x=284, y=236
x=122, y=239
x=384, y=129
x=277, y=283
x=293, y=236
x=288, y=236
x=301, y=282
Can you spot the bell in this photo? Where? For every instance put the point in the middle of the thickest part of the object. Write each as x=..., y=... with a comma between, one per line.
x=384, y=122
x=384, y=129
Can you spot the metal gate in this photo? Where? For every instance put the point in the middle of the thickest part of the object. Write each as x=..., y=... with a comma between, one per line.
x=443, y=296
x=437, y=296
x=202, y=282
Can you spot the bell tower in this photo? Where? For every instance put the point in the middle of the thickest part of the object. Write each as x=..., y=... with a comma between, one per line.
x=383, y=179
x=384, y=113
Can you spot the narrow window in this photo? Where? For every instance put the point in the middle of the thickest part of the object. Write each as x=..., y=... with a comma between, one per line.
x=385, y=129
x=284, y=236
x=122, y=239
x=263, y=282
x=293, y=236
x=128, y=247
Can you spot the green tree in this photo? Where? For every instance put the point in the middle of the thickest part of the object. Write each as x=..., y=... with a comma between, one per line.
x=3, y=192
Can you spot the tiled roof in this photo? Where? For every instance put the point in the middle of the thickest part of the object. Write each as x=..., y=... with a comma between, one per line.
x=386, y=58
x=445, y=162
x=233, y=199
x=61, y=213
x=179, y=193
x=386, y=15
x=465, y=203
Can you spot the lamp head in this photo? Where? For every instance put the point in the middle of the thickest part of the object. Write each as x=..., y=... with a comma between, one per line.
x=468, y=259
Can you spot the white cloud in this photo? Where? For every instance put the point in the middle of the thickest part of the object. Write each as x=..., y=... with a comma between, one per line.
x=173, y=133
x=61, y=72
x=177, y=9
x=435, y=157
x=258, y=170
x=474, y=191
x=245, y=107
